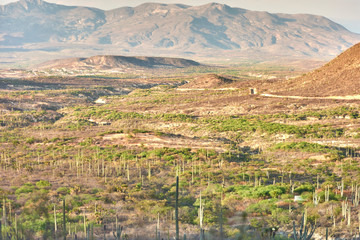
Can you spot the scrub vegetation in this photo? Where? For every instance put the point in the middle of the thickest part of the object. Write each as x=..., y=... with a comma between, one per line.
x=91, y=161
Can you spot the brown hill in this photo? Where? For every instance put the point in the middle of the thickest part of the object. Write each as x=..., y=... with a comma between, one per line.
x=339, y=77
x=209, y=81
x=122, y=62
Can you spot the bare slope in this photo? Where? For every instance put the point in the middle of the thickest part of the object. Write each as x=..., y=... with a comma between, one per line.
x=211, y=30
x=339, y=77
x=110, y=62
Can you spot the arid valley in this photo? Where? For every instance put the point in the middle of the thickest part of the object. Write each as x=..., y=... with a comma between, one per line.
x=113, y=146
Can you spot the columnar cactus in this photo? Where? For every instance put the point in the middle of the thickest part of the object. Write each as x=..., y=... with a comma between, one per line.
x=327, y=233
x=64, y=220
x=118, y=233
x=4, y=212
x=316, y=198
x=0, y=231
x=177, y=209
x=327, y=194
x=201, y=216
x=304, y=233
x=55, y=223
x=157, y=232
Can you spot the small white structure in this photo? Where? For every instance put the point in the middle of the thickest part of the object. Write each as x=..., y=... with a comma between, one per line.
x=100, y=101
x=298, y=199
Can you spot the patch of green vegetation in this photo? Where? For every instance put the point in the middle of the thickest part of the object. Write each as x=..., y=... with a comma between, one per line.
x=43, y=184
x=246, y=191
x=342, y=111
x=304, y=188
x=306, y=147
x=26, y=188
x=249, y=125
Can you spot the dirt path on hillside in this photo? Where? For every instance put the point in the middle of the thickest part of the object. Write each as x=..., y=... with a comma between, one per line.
x=353, y=97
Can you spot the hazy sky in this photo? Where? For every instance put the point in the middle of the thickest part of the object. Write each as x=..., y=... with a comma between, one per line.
x=345, y=12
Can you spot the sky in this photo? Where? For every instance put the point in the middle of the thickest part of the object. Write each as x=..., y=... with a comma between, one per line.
x=345, y=12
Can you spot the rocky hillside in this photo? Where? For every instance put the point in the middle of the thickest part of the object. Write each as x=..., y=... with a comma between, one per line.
x=339, y=77
x=122, y=62
x=211, y=30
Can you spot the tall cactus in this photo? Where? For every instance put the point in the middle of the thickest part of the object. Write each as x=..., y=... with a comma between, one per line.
x=85, y=231
x=177, y=209
x=64, y=220
x=4, y=212
x=316, y=198
x=92, y=232
x=327, y=193
x=157, y=232
x=201, y=216
x=304, y=233
x=327, y=234
x=55, y=223
x=221, y=224
x=118, y=233
x=221, y=216
x=16, y=227
x=88, y=232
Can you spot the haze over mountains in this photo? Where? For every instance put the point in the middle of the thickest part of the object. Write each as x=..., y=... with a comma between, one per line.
x=212, y=30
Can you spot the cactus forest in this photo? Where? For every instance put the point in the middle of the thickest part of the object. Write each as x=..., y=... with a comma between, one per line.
x=122, y=156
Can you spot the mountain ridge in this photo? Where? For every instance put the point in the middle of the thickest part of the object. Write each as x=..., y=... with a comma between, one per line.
x=210, y=30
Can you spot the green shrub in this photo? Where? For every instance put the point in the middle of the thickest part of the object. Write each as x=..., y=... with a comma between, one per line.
x=305, y=147
x=30, y=140
x=275, y=193
x=304, y=188
x=63, y=190
x=258, y=192
x=263, y=206
x=26, y=188
x=43, y=184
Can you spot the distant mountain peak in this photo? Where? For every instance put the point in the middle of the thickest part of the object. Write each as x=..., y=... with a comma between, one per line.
x=32, y=1
x=27, y=3
x=217, y=5
x=210, y=30
x=153, y=5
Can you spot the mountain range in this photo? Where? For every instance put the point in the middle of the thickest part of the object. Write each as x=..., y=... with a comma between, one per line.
x=212, y=30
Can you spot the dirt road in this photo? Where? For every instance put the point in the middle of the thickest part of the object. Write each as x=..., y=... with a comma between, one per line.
x=353, y=97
